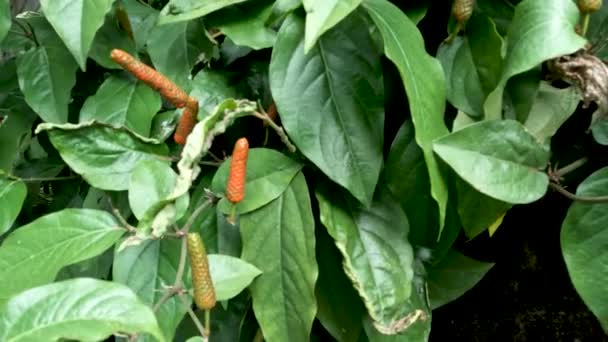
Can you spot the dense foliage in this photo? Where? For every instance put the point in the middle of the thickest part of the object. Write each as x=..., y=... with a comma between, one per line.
x=370, y=149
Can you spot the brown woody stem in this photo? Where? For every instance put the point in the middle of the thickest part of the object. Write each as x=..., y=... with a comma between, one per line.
x=574, y=197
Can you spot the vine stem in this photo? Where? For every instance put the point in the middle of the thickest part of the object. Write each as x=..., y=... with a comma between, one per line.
x=574, y=197
x=284, y=138
x=197, y=322
x=585, y=24
x=43, y=179
x=571, y=167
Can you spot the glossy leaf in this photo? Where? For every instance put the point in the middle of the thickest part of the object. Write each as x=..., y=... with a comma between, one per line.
x=498, y=158
x=80, y=309
x=584, y=238
x=210, y=88
x=322, y=15
x=175, y=48
x=47, y=74
x=230, y=275
x=33, y=254
x=406, y=176
x=142, y=19
x=147, y=269
x=12, y=195
x=453, y=277
x=331, y=100
x=378, y=257
x=163, y=125
x=245, y=24
x=104, y=156
x=520, y=94
x=600, y=132
x=282, y=8
x=76, y=22
x=269, y=173
x=206, y=223
x=341, y=311
x=279, y=240
x=123, y=102
x=16, y=126
x=424, y=83
x=540, y=30
x=472, y=65
x=475, y=221
x=110, y=36
x=182, y=10
x=5, y=18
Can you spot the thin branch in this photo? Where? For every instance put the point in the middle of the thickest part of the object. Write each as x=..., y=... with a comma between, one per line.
x=264, y=117
x=48, y=179
x=574, y=197
x=129, y=228
x=192, y=218
x=195, y=319
x=571, y=167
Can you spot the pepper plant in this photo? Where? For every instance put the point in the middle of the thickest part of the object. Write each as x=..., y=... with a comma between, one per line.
x=380, y=134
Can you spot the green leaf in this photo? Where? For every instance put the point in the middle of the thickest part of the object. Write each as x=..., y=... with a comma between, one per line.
x=600, y=132
x=79, y=309
x=142, y=19
x=472, y=65
x=540, y=30
x=97, y=267
x=230, y=275
x=5, y=18
x=47, y=74
x=175, y=48
x=245, y=24
x=206, y=223
x=33, y=254
x=453, y=277
x=104, y=156
x=269, y=173
x=405, y=175
x=475, y=221
x=551, y=108
x=183, y=10
x=424, y=83
x=15, y=130
x=211, y=87
x=341, y=311
x=123, y=102
x=584, y=238
x=378, y=257
x=148, y=269
x=152, y=181
x=12, y=195
x=501, y=13
x=111, y=36
x=280, y=9
x=322, y=15
x=521, y=91
x=163, y=124
x=506, y=166
x=76, y=22
x=279, y=240
x=331, y=100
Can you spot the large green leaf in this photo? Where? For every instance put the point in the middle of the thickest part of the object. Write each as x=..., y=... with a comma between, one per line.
x=5, y=18
x=584, y=241
x=123, y=102
x=76, y=22
x=15, y=130
x=210, y=88
x=33, y=254
x=499, y=158
x=12, y=195
x=230, y=275
x=331, y=100
x=322, y=15
x=378, y=257
x=475, y=221
x=80, y=309
x=453, y=276
x=183, y=10
x=245, y=24
x=175, y=48
x=142, y=19
x=540, y=30
x=147, y=269
x=269, y=173
x=424, y=83
x=279, y=240
x=340, y=308
x=472, y=65
x=47, y=74
x=104, y=156
x=406, y=177
x=110, y=36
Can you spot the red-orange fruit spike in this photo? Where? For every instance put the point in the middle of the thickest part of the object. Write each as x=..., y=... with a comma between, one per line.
x=186, y=123
x=235, y=189
x=151, y=77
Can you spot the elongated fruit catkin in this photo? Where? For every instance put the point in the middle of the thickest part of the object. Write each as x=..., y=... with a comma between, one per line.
x=151, y=77
x=186, y=122
x=462, y=10
x=204, y=293
x=235, y=189
x=589, y=6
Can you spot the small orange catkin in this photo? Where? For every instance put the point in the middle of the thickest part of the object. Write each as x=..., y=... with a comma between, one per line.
x=589, y=6
x=235, y=189
x=462, y=10
x=186, y=122
x=151, y=77
x=204, y=293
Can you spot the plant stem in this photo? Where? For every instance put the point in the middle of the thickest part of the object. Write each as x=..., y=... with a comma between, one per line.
x=48, y=179
x=193, y=217
x=207, y=323
x=192, y=315
x=571, y=167
x=585, y=24
x=574, y=197
x=264, y=117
